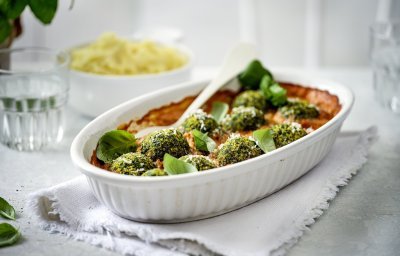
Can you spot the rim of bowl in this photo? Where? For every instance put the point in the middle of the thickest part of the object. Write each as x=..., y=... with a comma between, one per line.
x=180, y=47
x=42, y=50
x=80, y=140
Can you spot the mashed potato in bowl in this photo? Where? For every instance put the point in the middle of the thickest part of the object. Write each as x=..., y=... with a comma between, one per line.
x=113, y=55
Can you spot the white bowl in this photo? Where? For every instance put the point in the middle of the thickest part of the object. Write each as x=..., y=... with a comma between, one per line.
x=199, y=195
x=93, y=94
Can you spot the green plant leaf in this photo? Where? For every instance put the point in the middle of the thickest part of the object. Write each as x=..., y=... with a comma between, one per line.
x=219, y=110
x=264, y=139
x=115, y=143
x=8, y=234
x=279, y=97
x=44, y=10
x=265, y=83
x=203, y=142
x=251, y=77
x=174, y=166
x=273, y=92
x=5, y=29
x=6, y=209
x=12, y=9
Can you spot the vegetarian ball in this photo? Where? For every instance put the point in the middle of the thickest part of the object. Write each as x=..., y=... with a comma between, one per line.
x=299, y=109
x=250, y=98
x=132, y=164
x=201, y=163
x=170, y=141
x=284, y=134
x=201, y=121
x=243, y=119
x=155, y=172
x=237, y=149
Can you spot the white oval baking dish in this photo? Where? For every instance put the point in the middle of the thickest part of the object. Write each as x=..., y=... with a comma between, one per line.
x=204, y=194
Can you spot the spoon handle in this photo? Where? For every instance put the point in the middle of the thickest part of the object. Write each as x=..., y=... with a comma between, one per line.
x=234, y=62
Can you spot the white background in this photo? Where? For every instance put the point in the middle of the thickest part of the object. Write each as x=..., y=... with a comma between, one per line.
x=307, y=33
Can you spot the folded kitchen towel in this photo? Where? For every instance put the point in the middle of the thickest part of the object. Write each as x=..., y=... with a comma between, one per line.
x=268, y=227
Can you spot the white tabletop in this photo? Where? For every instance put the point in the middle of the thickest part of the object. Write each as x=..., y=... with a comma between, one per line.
x=364, y=218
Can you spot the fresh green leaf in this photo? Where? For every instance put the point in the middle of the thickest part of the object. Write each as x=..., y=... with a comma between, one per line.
x=265, y=83
x=6, y=209
x=219, y=110
x=8, y=234
x=175, y=166
x=4, y=5
x=115, y=143
x=203, y=142
x=5, y=28
x=12, y=8
x=279, y=97
x=273, y=92
x=44, y=10
x=264, y=139
x=251, y=77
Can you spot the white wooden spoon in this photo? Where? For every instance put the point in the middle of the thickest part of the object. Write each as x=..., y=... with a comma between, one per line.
x=235, y=62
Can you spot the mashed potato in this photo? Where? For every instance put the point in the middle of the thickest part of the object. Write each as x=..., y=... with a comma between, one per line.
x=112, y=55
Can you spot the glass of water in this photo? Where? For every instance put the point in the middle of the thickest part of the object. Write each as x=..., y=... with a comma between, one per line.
x=33, y=94
x=385, y=60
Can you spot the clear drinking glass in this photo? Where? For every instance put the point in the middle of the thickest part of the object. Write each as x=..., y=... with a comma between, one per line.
x=385, y=60
x=33, y=94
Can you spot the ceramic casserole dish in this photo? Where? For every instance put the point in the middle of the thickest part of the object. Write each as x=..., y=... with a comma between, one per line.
x=192, y=196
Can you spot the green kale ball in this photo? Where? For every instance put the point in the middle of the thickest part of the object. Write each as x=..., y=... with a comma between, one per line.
x=155, y=172
x=170, y=141
x=299, y=109
x=250, y=98
x=237, y=149
x=132, y=164
x=243, y=119
x=201, y=163
x=201, y=121
x=284, y=134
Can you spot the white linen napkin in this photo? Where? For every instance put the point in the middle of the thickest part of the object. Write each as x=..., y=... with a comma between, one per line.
x=268, y=227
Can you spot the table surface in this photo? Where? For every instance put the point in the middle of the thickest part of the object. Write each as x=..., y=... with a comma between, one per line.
x=364, y=218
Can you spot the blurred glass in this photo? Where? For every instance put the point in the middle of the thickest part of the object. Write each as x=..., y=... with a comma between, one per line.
x=385, y=61
x=33, y=94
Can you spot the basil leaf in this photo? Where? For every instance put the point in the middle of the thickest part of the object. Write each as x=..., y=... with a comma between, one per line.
x=219, y=110
x=203, y=142
x=174, y=166
x=273, y=92
x=279, y=97
x=264, y=139
x=12, y=8
x=44, y=10
x=115, y=143
x=6, y=210
x=8, y=234
x=5, y=28
x=266, y=82
x=251, y=77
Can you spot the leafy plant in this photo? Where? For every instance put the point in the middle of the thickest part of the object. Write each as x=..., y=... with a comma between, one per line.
x=174, y=166
x=255, y=77
x=273, y=92
x=265, y=140
x=114, y=144
x=6, y=210
x=203, y=142
x=251, y=77
x=219, y=110
x=8, y=234
x=10, y=10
